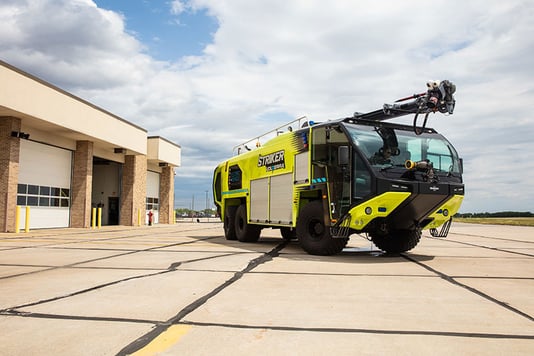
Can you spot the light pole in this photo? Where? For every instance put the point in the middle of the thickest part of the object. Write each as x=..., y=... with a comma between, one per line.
x=192, y=206
x=207, y=206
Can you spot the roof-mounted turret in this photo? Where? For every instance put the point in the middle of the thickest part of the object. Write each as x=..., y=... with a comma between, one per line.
x=438, y=98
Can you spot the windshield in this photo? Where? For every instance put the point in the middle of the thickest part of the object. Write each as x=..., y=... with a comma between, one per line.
x=389, y=147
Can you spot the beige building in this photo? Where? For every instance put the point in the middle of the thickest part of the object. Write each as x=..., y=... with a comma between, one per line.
x=62, y=156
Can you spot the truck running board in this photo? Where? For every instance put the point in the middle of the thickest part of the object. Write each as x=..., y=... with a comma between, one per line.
x=342, y=228
x=444, y=230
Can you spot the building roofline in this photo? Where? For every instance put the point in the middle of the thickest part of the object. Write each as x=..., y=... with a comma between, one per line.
x=166, y=140
x=64, y=92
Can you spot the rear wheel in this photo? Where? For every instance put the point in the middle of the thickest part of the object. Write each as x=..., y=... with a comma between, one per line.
x=244, y=231
x=229, y=223
x=397, y=241
x=314, y=235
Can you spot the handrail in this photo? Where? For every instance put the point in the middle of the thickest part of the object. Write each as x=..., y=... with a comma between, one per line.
x=255, y=141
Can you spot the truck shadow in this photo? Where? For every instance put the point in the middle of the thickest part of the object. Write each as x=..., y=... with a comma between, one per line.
x=358, y=250
x=355, y=252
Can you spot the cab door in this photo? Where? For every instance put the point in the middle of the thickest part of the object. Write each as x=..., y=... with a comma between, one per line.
x=329, y=145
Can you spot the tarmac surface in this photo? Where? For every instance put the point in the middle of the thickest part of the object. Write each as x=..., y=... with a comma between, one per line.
x=184, y=290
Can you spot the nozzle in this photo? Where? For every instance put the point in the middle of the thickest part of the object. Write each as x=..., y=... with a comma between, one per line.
x=424, y=166
x=421, y=165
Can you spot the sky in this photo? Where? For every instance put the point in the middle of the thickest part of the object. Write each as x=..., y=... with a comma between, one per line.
x=210, y=74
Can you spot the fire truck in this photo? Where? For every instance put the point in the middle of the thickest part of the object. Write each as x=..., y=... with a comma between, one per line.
x=321, y=182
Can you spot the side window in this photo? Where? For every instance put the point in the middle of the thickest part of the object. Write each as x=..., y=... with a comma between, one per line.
x=362, y=179
x=319, y=153
x=439, y=154
x=326, y=143
x=234, y=177
x=414, y=147
x=217, y=185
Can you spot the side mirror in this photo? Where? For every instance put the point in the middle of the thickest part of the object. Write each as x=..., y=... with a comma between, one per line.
x=343, y=155
x=461, y=162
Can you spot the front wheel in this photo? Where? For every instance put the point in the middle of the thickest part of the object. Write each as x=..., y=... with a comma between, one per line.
x=244, y=231
x=314, y=235
x=397, y=241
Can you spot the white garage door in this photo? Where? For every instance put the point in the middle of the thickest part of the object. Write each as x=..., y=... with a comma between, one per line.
x=152, y=196
x=44, y=185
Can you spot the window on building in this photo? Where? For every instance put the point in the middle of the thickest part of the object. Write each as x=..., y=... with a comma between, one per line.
x=40, y=195
x=152, y=203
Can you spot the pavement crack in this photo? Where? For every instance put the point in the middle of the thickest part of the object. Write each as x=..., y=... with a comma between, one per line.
x=14, y=312
x=174, y=266
x=491, y=248
x=100, y=286
x=365, y=331
x=160, y=328
x=471, y=289
x=128, y=252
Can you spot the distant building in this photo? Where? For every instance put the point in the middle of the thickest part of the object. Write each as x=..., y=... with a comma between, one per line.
x=63, y=156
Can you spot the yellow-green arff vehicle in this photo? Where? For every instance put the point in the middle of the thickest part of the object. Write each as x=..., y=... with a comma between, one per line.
x=322, y=182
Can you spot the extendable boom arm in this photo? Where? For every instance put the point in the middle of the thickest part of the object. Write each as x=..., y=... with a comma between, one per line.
x=438, y=97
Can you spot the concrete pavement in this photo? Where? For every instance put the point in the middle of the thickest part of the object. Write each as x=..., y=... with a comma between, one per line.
x=183, y=289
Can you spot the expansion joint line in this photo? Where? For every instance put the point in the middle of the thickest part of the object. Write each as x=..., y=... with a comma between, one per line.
x=160, y=328
x=471, y=289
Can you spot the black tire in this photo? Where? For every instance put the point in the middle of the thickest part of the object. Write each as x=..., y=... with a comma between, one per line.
x=244, y=231
x=313, y=235
x=229, y=222
x=288, y=233
x=397, y=241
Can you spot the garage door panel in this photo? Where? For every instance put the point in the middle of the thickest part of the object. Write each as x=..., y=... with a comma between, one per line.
x=44, y=185
x=44, y=165
x=152, y=196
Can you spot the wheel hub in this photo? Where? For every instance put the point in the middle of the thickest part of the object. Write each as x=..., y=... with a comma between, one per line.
x=316, y=228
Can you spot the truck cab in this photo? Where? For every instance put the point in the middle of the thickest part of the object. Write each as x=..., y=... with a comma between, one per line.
x=387, y=180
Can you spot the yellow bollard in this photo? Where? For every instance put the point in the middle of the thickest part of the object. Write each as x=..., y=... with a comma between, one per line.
x=17, y=220
x=93, y=218
x=99, y=218
x=27, y=222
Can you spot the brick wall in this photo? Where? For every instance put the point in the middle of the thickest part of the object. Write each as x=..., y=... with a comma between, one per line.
x=9, y=172
x=82, y=181
x=133, y=191
x=166, y=195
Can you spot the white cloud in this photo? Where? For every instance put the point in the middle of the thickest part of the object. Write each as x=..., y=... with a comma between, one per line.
x=281, y=59
x=74, y=44
x=177, y=7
